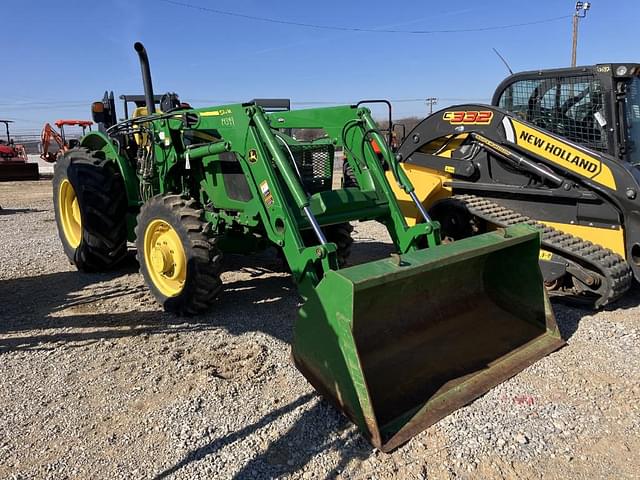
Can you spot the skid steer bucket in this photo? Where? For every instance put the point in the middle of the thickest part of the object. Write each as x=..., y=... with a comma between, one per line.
x=399, y=343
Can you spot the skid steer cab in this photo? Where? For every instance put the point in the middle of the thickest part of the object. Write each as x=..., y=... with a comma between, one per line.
x=597, y=106
x=395, y=344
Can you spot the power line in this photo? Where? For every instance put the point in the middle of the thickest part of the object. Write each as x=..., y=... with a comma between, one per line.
x=217, y=101
x=44, y=104
x=358, y=29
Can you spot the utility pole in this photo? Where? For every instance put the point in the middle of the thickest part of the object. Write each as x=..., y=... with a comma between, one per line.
x=581, y=12
x=431, y=101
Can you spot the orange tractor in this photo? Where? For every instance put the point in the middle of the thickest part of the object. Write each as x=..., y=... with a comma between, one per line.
x=49, y=133
x=14, y=161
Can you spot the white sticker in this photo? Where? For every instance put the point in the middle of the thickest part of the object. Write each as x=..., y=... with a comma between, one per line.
x=600, y=119
x=266, y=193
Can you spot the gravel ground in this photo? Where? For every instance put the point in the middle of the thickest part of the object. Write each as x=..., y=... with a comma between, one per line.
x=96, y=382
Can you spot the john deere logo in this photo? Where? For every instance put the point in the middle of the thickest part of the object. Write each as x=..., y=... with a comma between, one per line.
x=253, y=155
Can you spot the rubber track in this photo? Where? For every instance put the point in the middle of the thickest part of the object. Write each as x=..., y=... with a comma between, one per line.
x=616, y=273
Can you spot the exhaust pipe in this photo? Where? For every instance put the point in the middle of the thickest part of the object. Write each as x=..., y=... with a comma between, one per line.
x=146, y=77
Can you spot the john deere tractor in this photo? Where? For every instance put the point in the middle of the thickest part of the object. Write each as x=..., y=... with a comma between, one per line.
x=396, y=343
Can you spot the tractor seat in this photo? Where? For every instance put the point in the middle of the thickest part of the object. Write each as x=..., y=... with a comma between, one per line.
x=141, y=112
x=141, y=138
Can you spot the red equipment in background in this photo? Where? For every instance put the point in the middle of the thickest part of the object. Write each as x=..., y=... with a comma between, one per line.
x=49, y=133
x=14, y=161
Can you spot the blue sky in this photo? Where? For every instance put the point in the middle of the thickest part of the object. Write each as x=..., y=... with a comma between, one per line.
x=60, y=56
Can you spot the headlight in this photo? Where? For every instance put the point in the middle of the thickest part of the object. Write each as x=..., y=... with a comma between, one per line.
x=621, y=71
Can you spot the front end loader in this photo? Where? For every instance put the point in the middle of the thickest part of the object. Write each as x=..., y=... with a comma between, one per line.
x=477, y=168
x=395, y=344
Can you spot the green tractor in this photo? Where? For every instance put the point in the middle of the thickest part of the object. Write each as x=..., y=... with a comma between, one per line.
x=397, y=343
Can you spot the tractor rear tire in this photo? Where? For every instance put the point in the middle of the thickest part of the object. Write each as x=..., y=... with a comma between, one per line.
x=179, y=261
x=348, y=177
x=90, y=206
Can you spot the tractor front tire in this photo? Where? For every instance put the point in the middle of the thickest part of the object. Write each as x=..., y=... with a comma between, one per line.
x=340, y=234
x=90, y=206
x=179, y=261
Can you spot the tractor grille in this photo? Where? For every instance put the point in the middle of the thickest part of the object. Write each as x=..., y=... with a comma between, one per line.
x=571, y=107
x=315, y=163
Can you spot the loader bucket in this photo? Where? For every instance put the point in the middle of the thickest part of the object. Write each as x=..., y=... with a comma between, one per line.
x=397, y=344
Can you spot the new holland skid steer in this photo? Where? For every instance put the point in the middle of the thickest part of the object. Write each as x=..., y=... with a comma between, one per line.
x=477, y=168
x=396, y=343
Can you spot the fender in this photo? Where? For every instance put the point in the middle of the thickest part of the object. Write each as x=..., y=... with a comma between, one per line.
x=95, y=141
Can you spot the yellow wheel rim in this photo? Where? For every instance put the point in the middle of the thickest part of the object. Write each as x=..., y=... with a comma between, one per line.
x=164, y=257
x=70, y=213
